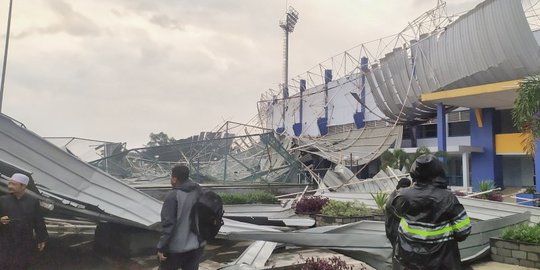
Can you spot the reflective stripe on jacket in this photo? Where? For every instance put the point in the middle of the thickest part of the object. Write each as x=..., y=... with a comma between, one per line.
x=434, y=233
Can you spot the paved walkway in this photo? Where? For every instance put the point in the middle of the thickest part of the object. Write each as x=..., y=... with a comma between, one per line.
x=76, y=252
x=497, y=266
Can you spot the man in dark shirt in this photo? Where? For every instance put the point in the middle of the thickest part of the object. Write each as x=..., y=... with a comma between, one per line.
x=20, y=218
x=179, y=246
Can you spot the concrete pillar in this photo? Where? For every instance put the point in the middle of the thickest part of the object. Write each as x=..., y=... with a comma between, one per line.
x=297, y=127
x=441, y=127
x=322, y=122
x=537, y=165
x=465, y=168
x=359, y=116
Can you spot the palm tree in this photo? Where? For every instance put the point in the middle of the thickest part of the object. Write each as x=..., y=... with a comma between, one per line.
x=526, y=111
x=397, y=159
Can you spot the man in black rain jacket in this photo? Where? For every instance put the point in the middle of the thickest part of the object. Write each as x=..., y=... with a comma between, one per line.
x=391, y=223
x=432, y=221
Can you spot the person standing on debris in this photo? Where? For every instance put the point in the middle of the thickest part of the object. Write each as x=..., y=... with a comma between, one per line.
x=178, y=246
x=432, y=221
x=20, y=220
x=392, y=221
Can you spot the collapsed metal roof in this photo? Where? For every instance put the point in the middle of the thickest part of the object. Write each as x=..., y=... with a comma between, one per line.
x=57, y=172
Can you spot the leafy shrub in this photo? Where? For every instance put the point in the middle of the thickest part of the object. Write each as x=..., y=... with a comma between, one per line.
x=334, y=263
x=345, y=209
x=530, y=190
x=486, y=185
x=310, y=205
x=523, y=233
x=248, y=198
x=380, y=199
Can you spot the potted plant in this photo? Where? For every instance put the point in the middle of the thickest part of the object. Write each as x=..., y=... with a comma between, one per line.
x=528, y=197
x=518, y=245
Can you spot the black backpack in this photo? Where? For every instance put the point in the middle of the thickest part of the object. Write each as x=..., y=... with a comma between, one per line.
x=207, y=215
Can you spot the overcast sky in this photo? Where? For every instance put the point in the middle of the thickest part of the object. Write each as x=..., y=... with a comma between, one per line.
x=117, y=70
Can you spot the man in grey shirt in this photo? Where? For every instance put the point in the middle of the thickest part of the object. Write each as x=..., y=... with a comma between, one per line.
x=179, y=247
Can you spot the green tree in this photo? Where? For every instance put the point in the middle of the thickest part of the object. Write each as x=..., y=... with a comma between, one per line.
x=526, y=111
x=424, y=150
x=160, y=139
x=397, y=159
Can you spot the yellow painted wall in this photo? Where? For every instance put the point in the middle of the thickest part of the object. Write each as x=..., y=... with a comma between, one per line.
x=509, y=143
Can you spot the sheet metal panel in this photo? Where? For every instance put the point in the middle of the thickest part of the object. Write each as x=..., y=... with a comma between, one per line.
x=502, y=49
x=313, y=109
x=373, y=112
x=373, y=79
x=367, y=242
x=342, y=104
x=57, y=170
x=365, y=143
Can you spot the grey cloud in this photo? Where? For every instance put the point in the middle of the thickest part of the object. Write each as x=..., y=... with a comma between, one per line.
x=104, y=87
x=71, y=22
x=166, y=22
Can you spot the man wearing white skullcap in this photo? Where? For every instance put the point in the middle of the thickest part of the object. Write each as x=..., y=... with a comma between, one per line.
x=20, y=220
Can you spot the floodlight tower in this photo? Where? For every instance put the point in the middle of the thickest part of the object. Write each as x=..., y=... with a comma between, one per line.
x=5, y=54
x=288, y=27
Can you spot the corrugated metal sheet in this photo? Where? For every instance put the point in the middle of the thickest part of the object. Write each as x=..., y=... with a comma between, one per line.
x=365, y=144
x=366, y=240
x=477, y=48
x=56, y=170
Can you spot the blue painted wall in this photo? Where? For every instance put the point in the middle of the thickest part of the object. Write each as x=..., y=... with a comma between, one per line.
x=322, y=122
x=359, y=116
x=441, y=127
x=486, y=165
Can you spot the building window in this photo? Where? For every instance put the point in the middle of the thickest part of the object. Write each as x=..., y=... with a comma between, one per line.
x=407, y=132
x=507, y=124
x=454, y=169
x=459, y=129
x=427, y=131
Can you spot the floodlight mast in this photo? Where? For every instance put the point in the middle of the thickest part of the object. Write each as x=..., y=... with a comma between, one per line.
x=288, y=27
x=4, y=64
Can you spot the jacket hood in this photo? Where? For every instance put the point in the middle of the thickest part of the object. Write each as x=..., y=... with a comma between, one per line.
x=426, y=167
x=187, y=186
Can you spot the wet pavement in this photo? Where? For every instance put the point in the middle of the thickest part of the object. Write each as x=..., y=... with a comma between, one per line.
x=76, y=251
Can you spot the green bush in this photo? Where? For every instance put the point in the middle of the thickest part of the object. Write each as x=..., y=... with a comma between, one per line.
x=530, y=190
x=380, y=199
x=248, y=198
x=486, y=185
x=345, y=209
x=523, y=233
